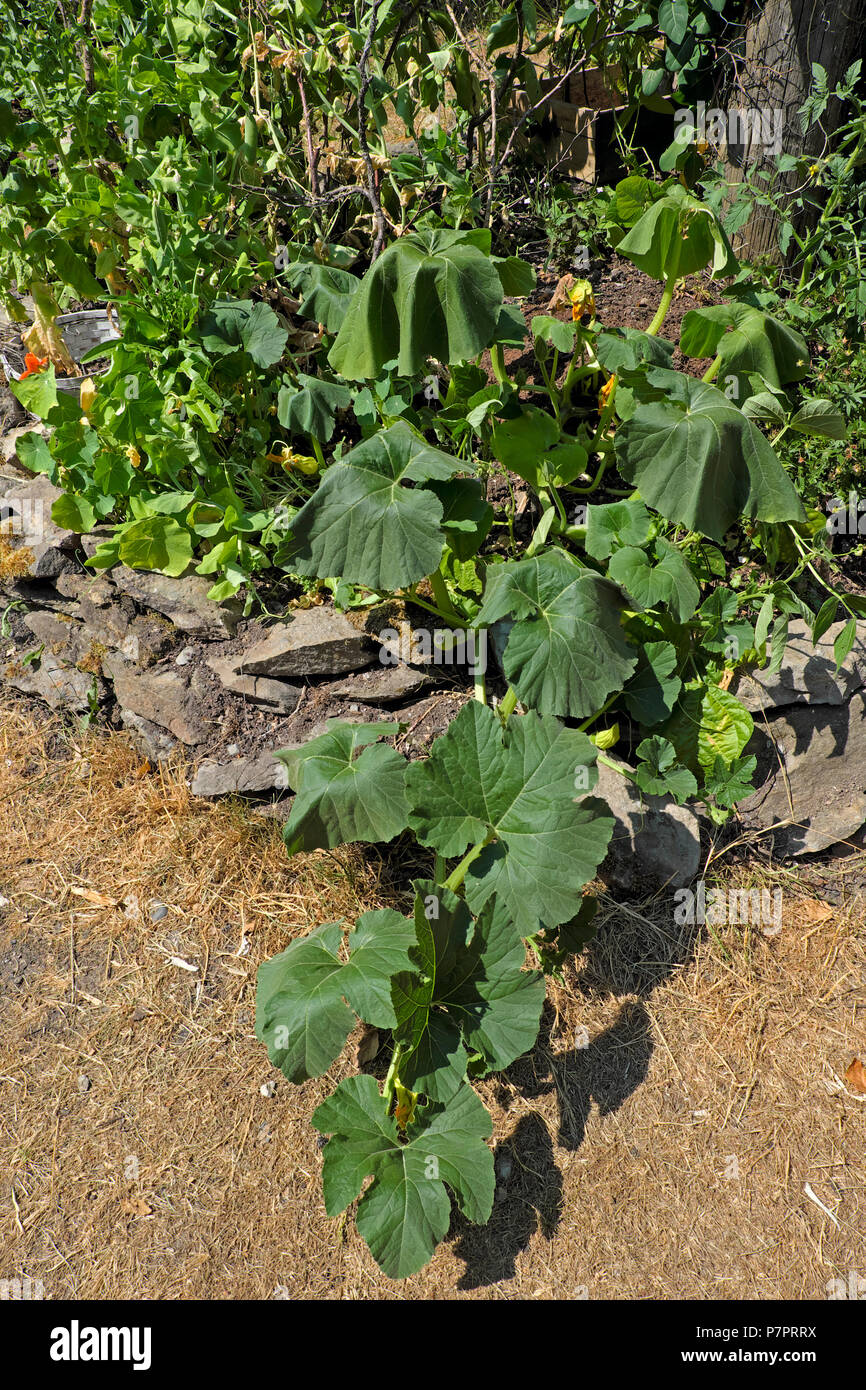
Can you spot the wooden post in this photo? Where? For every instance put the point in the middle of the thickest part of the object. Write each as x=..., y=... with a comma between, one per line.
x=782, y=40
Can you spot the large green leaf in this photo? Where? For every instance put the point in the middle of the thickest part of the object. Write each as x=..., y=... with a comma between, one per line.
x=340, y=798
x=531, y=445
x=678, y=235
x=614, y=524
x=747, y=340
x=653, y=689
x=431, y=294
x=669, y=582
x=364, y=524
x=566, y=651
x=699, y=461
x=312, y=405
x=523, y=788
x=233, y=324
x=300, y=1013
x=327, y=291
x=405, y=1211
x=466, y=991
x=709, y=723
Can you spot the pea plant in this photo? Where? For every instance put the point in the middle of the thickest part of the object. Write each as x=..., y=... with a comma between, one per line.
x=620, y=628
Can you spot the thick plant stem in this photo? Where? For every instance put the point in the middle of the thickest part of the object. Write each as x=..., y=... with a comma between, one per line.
x=391, y=1078
x=507, y=704
x=664, y=305
x=456, y=877
x=713, y=369
x=443, y=598
x=497, y=362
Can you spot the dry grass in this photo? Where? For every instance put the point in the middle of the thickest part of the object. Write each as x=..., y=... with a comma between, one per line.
x=139, y=1158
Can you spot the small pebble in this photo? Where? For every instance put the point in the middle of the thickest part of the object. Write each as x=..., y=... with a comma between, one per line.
x=84, y=1084
x=233, y=750
x=184, y=657
x=504, y=1166
x=268, y=1089
x=158, y=911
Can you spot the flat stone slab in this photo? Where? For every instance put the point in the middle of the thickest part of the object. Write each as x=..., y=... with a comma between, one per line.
x=150, y=740
x=184, y=601
x=808, y=672
x=55, y=681
x=279, y=696
x=817, y=796
x=169, y=698
x=314, y=642
x=240, y=777
x=42, y=548
x=383, y=685
x=654, y=842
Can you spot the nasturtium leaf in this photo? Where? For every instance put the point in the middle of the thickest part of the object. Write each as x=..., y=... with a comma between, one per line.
x=311, y=406
x=300, y=1013
x=614, y=524
x=405, y=1211
x=699, y=461
x=364, y=524
x=156, y=543
x=341, y=798
x=38, y=391
x=74, y=512
x=467, y=992
x=747, y=340
x=431, y=294
x=652, y=692
x=234, y=324
x=566, y=651
x=678, y=235
x=524, y=788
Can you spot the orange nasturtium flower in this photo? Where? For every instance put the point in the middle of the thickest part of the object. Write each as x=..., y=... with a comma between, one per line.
x=32, y=365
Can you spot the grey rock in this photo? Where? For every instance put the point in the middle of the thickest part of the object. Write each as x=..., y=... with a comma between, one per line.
x=110, y=618
x=241, y=776
x=808, y=672
x=655, y=842
x=169, y=698
x=157, y=911
x=94, y=539
x=381, y=686
x=55, y=681
x=64, y=636
x=151, y=741
x=812, y=769
x=25, y=521
x=274, y=695
x=314, y=642
x=183, y=600
x=185, y=656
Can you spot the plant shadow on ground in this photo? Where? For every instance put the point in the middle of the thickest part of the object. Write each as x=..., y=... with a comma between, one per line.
x=630, y=956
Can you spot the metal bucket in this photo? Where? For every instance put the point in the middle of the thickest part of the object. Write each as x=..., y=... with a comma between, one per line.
x=80, y=332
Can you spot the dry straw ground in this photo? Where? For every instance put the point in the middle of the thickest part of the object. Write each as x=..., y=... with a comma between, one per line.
x=139, y=1158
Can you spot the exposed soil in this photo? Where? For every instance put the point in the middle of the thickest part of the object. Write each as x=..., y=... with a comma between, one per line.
x=687, y=1085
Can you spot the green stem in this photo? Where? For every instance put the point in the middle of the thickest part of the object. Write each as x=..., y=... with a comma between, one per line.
x=615, y=767
x=442, y=596
x=713, y=369
x=456, y=877
x=391, y=1078
x=497, y=362
x=507, y=704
